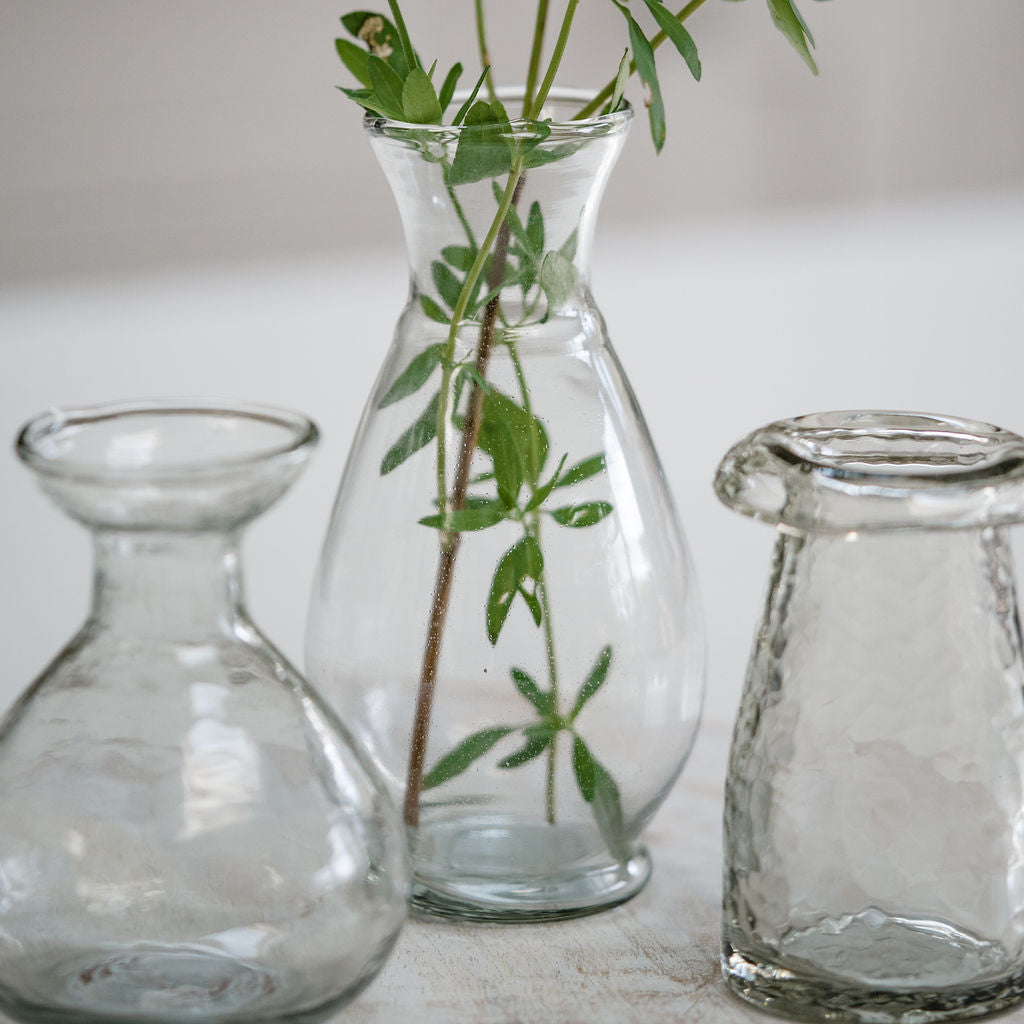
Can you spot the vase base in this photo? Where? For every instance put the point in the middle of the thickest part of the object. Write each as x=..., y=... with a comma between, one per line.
x=157, y=985
x=495, y=869
x=802, y=995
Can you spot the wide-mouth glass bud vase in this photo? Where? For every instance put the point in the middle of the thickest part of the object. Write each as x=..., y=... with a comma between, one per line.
x=187, y=834
x=874, y=819
x=505, y=610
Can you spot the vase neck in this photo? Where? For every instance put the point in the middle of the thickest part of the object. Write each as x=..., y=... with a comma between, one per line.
x=533, y=215
x=184, y=587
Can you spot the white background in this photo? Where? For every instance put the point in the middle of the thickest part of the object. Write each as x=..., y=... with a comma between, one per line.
x=188, y=207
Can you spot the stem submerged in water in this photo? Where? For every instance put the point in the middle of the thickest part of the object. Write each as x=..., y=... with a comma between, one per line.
x=497, y=238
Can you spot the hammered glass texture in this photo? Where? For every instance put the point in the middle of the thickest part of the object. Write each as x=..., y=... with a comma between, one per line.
x=874, y=822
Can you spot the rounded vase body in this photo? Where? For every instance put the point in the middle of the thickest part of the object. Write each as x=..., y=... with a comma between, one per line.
x=875, y=795
x=505, y=610
x=186, y=833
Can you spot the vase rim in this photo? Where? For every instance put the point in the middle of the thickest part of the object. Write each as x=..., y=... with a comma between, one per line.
x=560, y=129
x=127, y=445
x=874, y=469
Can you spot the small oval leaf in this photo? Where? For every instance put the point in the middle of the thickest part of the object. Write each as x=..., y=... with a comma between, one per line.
x=578, y=516
x=456, y=761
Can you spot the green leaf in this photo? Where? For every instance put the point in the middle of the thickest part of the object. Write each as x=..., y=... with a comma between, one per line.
x=539, y=157
x=367, y=99
x=448, y=286
x=568, y=249
x=557, y=278
x=470, y=99
x=460, y=385
x=355, y=20
x=643, y=56
x=403, y=34
x=535, y=228
x=508, y=466
x=448, y=87
x=541, y=494
x=526, y=431
x=387, y=87
x=379, y=36
x=593, y=682
x=458, y=760
x=621, y=78
x=464, y=519
x=538, y=739
x=600, y=791
x=356, y=59
x=583, y=767
x=433, y=310
x=543, y=702
x=461, y=257
x=483, y=150
x=414, y=376
x=469, y=371
x=419, y=101
x=533, y=603
x=522, y=561
x=421, y=433
x=582, y=470
x=681, y=39
x=529, y=137
x=788, y=21
x=578, y=516
x=517, y=228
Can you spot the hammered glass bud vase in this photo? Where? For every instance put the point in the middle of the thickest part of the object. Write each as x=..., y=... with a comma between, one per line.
x=874, y=820
x=187, y=834
x=506, y=611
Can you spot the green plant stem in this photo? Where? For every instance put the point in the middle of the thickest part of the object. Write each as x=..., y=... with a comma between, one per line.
x=533, y=530
x=535, y=55
x=556, y=60
x=403, y=34
x=458, y=314
x=497, y=237
x=606, y=93
x=549, y=645
x=485, y=56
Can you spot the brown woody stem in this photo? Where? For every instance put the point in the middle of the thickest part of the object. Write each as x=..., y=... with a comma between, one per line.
x=450, y=542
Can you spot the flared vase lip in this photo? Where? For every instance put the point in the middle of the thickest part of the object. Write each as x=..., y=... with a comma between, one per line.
x=598, y=126
x=55, y=442
x=876, y=469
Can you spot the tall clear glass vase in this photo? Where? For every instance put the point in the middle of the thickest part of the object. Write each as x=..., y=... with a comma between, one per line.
x=505, y=611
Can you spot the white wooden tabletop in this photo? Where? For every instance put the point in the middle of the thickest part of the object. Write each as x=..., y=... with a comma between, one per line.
x=653, y=960
x=648, y=961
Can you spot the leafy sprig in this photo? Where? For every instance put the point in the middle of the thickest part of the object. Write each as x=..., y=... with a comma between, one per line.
x=395, y=85
x=471, y=279
x=594, y=781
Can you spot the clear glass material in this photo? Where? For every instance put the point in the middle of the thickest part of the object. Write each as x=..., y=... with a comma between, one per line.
x=527, y=670
x=186, y=832
x=874, y=821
